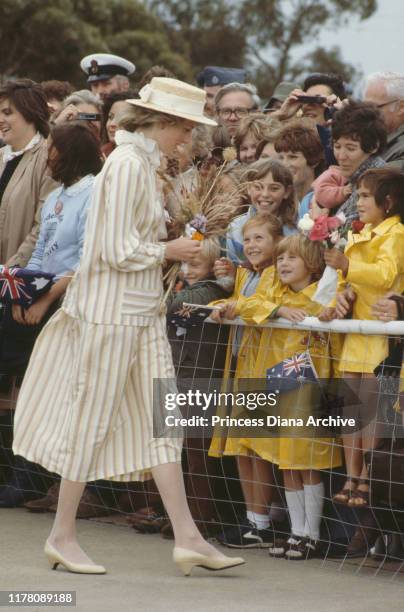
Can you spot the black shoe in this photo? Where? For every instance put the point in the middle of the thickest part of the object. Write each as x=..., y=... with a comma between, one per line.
x=247, y=536
x=294, y=548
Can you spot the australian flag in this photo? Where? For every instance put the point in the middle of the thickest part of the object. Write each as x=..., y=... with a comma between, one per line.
x=190, y=315
x=22, y=286
x=291, y=373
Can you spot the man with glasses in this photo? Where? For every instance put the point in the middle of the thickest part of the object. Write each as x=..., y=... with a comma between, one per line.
x=213, y=78
x=386, y=90
x=234, y=102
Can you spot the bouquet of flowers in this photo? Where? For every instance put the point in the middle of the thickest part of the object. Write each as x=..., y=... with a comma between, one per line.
x=205, y=211
x=332, y=232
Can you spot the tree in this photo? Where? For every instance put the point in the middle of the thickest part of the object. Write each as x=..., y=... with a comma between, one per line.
x=262, y=35
x=276, y=27
x=46, y=39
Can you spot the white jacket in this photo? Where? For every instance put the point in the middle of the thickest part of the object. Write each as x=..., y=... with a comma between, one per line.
x=119, y=280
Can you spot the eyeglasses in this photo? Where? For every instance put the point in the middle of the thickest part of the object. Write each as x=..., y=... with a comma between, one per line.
x=387, y=103
x=239, y=113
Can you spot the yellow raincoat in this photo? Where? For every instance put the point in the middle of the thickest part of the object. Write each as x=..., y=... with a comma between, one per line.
x=247, y=352
x=376, y=265
x=295, y=452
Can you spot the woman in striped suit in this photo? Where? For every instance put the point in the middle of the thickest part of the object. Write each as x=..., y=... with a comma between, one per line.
x=85, y=410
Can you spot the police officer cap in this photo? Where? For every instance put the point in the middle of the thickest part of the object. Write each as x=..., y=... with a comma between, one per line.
x=217, y=75
x=103, y=66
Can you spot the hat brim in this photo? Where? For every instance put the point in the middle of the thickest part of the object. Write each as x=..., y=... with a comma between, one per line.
x=160, y=109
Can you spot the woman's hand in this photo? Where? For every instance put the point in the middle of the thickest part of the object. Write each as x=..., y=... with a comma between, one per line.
x=182, y=249
x=224, y=267
x=18, y=314
x=327, y=314
x=35, y=313
x=296, y=315
x=68, y=114
x=345, y=301
x=385, y=310
x=290, y=106
x=337, y=260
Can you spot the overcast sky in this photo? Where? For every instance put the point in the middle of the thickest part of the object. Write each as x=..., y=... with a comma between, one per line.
x=376, y=43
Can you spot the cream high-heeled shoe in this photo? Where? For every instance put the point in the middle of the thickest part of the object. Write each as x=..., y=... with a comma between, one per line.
x=187, y=559
x=55, y=558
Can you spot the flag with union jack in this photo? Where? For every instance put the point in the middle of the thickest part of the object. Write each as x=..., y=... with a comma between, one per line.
x=291, y=373
x=22, y=286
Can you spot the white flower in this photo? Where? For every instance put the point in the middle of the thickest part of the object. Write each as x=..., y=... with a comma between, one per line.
x=341, y=216
x=305, y=224
x=334, y=237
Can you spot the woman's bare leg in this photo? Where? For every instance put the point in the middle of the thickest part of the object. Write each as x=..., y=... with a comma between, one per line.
x=63, y=535
x=170, y=483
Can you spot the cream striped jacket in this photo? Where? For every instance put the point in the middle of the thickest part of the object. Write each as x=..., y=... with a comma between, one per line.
x=119, y=280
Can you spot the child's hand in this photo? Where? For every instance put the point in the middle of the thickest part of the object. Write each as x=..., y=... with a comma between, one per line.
x=316, y=210
x=18, y=314
x=217, y=315
x=345, y=301
x=337, y=260
x=291, y=314
x=385, y=310
x=224, y=267
x=327, y=314
x=347, y=190
x=230, y=312
x=35, y=313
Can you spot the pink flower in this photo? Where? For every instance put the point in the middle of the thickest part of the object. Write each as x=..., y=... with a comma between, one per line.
x=320, y=230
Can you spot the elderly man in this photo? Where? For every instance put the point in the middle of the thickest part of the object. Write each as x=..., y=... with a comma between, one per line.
x=107, y=73
x=386, y=90
x=213, y=78
x=234, y=102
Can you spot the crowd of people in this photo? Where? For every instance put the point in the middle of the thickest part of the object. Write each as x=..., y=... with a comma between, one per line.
x=310, y=155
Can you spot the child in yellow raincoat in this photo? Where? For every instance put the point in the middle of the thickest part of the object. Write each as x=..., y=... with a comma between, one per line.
x=300, y=455
x=260, y=235
x=373, y=263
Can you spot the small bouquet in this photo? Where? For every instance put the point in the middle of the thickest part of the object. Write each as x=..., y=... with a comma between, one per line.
x=332, y=231
x=205, y=211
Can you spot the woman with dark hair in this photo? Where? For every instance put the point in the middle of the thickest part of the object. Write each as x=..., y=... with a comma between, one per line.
x=359, y=134
x=114, y=105
x=24, y=182
x=299, y=148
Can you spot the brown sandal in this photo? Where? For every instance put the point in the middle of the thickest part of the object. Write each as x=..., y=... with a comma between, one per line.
x=360, y=498
x=344, y=496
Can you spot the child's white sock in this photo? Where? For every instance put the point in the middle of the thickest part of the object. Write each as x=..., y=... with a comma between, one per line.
x=250, y=516
x=261, y=520
x=314, y=501
x=295, y=501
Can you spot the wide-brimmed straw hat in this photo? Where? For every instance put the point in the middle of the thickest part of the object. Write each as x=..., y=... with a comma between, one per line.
x=175, y=98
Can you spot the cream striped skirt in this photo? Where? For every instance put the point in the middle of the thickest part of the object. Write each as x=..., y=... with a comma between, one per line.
x=85, y=409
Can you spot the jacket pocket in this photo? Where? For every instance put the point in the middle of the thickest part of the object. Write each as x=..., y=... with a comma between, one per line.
x=143, y=302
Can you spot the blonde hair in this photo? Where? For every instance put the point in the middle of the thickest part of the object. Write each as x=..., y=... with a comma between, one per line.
x=312, y=253
x=270, y=222
x=210, y=249
x=256, y=125
x=137, y=117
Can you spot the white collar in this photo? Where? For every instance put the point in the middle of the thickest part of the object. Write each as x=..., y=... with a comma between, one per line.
x=139, y=140
x=76, y=188
x=9, y=154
